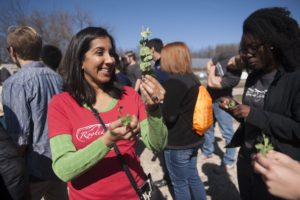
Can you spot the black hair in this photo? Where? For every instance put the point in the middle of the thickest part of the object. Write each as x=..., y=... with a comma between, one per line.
x=72, y=72
x=276, y=28
x=51, y=56
x=131, y=54
x=156, y=43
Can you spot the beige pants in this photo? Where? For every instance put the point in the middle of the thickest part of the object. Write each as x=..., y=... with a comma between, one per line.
x=48, y=190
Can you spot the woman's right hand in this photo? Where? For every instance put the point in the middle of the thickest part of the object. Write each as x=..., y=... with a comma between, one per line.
x=152, y=91
x=118, y=131
x=280, y=173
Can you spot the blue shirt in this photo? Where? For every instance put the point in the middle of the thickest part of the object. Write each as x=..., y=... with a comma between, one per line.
x=25, y=101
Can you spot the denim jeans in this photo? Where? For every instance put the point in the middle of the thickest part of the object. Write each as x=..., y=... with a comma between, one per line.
x=225, y=123
x=182, y=167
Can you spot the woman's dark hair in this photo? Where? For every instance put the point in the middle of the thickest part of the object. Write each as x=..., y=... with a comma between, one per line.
x=71, y=70
x=274, y=27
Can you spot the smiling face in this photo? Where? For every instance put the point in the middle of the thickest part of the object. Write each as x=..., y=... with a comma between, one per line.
x=98, y=64
x=258, y=55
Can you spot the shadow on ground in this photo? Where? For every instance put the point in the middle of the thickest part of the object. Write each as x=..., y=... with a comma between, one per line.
x=217, y=180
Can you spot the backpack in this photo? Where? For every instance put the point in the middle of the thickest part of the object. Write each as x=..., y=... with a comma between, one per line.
x=203, y=112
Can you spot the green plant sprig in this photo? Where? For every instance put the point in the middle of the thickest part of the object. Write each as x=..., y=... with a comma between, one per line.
x=126, y=120
x=265, y=146
x=145, y=53
x=231, y=103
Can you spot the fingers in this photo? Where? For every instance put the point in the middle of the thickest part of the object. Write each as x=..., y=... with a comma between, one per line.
x=261, y=164
x=155, y=88
x=115, y=124
x=152, y=90
x=259, y=168
x=212, y=69
x=132, y=130
x=224, y=102
x=263, y=161
x=281, y=158
x=119, y=131
x=240, y=111
x=145, y=95
x=137, y=85
x=156, y=84
x=209, y=65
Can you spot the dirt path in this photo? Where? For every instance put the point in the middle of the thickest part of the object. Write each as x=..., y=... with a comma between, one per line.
x=219, y=185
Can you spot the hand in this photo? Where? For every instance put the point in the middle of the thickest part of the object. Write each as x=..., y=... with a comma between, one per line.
x=152, y=91
x=279, y=158
x=118, y=131
x=210, y=67
x=227, y=102
x=280, y=173
x=240, y=111
x=213, y=81
x=137, y=84
x=236, y=63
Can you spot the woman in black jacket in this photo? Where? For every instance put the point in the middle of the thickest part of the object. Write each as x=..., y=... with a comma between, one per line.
x=270, y=48
x=178, y=108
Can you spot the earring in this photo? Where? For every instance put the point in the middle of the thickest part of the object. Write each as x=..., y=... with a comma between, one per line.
x=271, y=48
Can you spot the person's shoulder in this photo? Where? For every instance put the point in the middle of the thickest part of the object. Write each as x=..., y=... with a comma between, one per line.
x=61, y=96
x=185, y=78
x=13, y=79
x=292, y=77
x=129, y=90
x=129, y=94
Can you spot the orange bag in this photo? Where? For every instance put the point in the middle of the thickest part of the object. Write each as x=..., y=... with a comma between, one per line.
x=203, y=112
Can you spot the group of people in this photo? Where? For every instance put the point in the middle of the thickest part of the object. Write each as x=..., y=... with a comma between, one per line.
x=80, y=126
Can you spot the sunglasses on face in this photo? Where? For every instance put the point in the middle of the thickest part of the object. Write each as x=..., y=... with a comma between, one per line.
x=250, y=49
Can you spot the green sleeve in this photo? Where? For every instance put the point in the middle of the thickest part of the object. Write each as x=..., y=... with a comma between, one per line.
x=154, y=132
x=68, y=163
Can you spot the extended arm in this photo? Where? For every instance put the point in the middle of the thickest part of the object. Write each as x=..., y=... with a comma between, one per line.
x=154, y=132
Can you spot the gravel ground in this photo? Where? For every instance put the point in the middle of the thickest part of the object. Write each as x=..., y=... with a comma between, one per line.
x=219, y=184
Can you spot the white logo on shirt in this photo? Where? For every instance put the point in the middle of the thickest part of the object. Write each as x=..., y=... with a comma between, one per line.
x=86, y=133
x=256, y=94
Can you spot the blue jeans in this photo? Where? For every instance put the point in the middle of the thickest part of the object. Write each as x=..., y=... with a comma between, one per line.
x=225, y=123
x=182, y=168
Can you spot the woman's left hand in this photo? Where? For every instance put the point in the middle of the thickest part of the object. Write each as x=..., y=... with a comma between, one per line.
x=152, y=91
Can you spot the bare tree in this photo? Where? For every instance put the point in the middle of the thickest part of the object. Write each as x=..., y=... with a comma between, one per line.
x=211, y=51
x=56, y=28
x=82, y=19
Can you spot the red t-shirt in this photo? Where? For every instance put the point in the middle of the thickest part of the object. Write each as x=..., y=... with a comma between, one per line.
x=106, y=180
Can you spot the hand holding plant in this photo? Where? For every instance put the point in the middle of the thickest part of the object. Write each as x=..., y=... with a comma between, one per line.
x=126, y=120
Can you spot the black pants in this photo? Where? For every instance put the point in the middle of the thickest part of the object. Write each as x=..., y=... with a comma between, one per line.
x=251, y=185
x=13, y=176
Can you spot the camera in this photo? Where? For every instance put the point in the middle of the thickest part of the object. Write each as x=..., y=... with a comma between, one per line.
x=219, y=70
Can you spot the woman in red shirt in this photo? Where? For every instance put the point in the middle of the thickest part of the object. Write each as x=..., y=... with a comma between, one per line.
x=81, y=147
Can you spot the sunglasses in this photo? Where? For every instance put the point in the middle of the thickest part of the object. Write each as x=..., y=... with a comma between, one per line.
x=250, y=49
